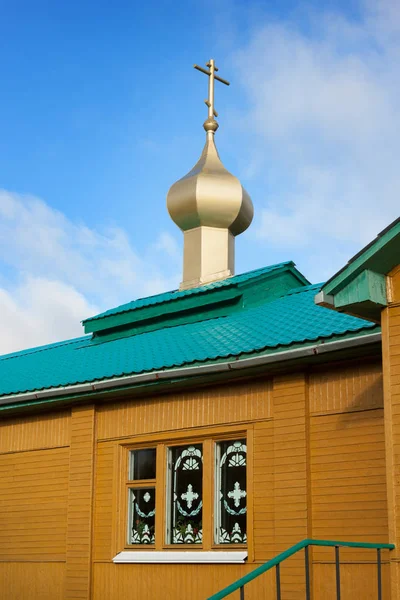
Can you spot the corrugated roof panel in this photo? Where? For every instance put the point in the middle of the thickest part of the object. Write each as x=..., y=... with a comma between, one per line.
x=291, y=319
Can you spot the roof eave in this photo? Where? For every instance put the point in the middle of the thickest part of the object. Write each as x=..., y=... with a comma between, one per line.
x=359, y=289
x=81, y=392
x=372, y=257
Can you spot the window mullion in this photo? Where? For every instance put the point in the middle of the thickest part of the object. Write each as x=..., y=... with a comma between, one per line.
x=208, y=494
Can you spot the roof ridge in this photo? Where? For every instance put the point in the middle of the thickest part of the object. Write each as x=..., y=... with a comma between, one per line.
x=178, y=294
x=246, y=310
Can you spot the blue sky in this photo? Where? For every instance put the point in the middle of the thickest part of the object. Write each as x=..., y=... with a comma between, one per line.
x=101, y=111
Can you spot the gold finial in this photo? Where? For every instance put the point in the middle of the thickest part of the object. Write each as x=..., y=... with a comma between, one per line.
x=211, y=124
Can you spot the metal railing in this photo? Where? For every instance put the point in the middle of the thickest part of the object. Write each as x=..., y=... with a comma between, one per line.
x=305, y=544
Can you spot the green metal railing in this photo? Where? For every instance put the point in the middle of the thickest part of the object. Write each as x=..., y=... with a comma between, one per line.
x=305, y=544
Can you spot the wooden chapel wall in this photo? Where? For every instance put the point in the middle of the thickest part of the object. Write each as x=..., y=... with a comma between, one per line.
x=34, y=464
x=391, y=365
x=318, y=471
x=347, y=477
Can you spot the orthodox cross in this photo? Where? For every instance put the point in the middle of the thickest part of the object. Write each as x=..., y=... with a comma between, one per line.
x=212, y=69
x=237, y=494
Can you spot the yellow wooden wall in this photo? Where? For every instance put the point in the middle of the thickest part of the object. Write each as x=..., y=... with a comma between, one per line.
x=80, y=497
x=391, y=365
x=348, y=479
x=318, y=470
x=223, y=404
x=34, y=465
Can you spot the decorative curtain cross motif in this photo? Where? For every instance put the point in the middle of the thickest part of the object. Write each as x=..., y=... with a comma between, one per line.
x=237, y=494
x=143, y=512
x=189, y=496
x=232, y=492
x=186, y=471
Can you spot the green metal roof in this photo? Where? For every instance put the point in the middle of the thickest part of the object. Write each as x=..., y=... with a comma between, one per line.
x=178, y=294
x=198, y=304
x=271, y=324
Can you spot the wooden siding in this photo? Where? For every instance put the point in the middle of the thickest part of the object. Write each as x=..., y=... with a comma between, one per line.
x=104, y=517
x=348, y=481
x=209, y=406
x=291, y=501
x=358, y=582
x=194, y=582
x=31, y=581
x=391, y=364
x=345, y=389
x=79, y=520
x=314, y=475
x=263, y=490
x=393, y=286
x=50, y=430
x=33, y=505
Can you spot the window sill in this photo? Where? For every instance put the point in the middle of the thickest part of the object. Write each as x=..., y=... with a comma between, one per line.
x=213, y=557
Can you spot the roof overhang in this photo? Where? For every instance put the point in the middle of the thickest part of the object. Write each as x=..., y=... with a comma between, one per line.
x=359, y=289
x=170, y=379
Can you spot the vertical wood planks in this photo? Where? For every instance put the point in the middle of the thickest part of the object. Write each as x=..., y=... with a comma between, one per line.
x=391, y=368
x=33, y=432
x=356, y=387
x=31, y=580
x=291, y=494
x=263, y=490
x=206, y=406
x=79, y=519
x=104, y=516
x=348, y=480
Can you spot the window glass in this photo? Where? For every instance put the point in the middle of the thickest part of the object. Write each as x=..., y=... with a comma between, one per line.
x=185, y=505
x=231, y=492
x=142, y=510
x=143, y=464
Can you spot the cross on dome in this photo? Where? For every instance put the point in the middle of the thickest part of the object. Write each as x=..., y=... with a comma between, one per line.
x=212, y=69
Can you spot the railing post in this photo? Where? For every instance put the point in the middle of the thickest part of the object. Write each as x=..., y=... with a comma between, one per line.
x=379, y=563
x=242, y=593
x=337, y=564
x=278, y=581
x=307, y=566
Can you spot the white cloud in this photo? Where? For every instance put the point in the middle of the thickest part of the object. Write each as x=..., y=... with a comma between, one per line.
x=55, y=272
x=38, y=311
x=324, y=123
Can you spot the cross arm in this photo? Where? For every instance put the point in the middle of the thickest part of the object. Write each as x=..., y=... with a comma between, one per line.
x=208, y=73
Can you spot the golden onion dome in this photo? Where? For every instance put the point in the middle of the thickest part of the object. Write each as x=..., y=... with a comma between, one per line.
x=209, y=195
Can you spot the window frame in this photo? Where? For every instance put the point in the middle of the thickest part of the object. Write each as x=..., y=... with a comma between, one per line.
x=132, y=484
x=217, y=521
x=208, y=437
x=167, y=509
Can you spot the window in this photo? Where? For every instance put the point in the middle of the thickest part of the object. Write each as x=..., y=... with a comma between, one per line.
x=230, y=492
x=142, y=496
x=185, y=495
x=191, y=494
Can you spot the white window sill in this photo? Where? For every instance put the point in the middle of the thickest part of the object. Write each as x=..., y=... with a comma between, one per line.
x=215, y=557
